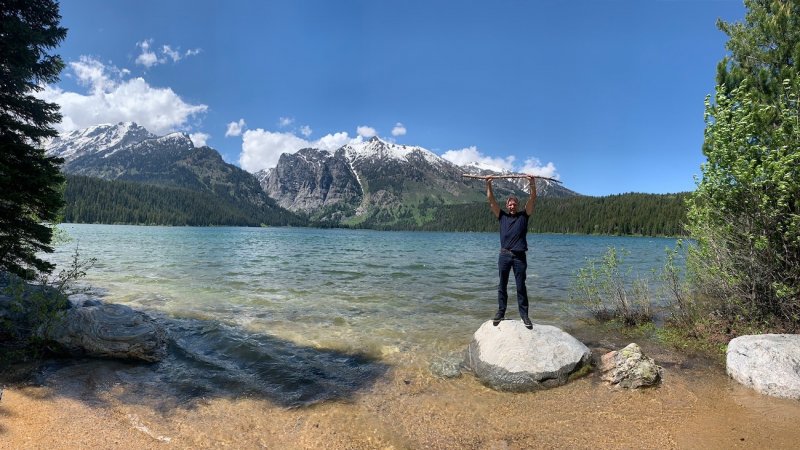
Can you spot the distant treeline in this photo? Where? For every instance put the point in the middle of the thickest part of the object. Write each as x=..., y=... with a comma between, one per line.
x=623, y=214
x=94, y=200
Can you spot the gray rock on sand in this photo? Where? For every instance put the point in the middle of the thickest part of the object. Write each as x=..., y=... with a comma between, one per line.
x=109, y=330
x=509, y=357
x=768, y=363
x=629, y=368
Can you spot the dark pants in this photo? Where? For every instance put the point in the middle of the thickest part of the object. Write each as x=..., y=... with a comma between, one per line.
x=519, y=263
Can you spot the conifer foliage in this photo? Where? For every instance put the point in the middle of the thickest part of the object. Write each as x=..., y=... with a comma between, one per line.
x=30, y=182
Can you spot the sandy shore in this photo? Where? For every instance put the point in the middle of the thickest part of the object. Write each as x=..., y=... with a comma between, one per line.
x=697, y=406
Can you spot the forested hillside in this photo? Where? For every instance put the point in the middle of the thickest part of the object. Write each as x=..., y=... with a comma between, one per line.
x=624, y=214
x=93, y=200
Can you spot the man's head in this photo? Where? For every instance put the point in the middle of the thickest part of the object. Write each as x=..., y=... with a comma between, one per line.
x=511, y=204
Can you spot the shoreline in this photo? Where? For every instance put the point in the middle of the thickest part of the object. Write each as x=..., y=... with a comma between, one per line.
x=98, y=403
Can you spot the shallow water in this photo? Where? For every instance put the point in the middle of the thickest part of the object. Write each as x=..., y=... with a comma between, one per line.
x=301, y=315
x=303, y=338
x=352, y=290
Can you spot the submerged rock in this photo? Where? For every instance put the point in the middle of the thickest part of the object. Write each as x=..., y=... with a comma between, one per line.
x=107, y=330
x=629, y=368
x=448, y=366
x=768, y=363
x=510, y=357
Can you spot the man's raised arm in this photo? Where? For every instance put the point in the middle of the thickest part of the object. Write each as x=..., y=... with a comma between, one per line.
x=490, y=195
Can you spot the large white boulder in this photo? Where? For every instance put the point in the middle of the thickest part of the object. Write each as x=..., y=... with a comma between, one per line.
x=510, y=357
x=769, y=363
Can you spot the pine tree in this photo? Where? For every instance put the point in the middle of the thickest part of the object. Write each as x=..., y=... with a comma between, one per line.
x=30, y=181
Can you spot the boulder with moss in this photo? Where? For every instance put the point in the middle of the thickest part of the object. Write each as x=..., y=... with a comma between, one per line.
x=629, y=368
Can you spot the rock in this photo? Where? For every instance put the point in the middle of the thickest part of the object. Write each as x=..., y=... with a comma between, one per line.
x=629, y=368
x=448, y=366
x=769, y=363
x=510, y=357
x=110, y=331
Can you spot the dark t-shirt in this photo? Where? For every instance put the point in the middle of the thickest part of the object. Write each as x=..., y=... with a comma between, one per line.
x=513, y=231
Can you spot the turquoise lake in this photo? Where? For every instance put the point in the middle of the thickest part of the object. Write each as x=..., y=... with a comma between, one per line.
x=280, y=309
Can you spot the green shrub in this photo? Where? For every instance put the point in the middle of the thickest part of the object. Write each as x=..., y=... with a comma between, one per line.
x=609, y=292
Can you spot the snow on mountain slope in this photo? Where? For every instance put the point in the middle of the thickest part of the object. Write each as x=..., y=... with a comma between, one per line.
x=375, y=148
x=96, y=139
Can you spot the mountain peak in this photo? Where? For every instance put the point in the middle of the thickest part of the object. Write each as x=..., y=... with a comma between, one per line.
x=97, y=138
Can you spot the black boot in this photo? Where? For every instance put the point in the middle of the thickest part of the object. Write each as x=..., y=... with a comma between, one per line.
x=527, y=322
x=498, y=317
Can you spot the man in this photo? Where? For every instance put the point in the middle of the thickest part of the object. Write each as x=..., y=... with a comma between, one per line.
x=513, y=245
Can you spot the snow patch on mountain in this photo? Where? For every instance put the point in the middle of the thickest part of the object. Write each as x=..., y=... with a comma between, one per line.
x=380, y=149
x=95, y=139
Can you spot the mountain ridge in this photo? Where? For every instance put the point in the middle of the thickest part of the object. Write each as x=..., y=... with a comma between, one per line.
x=373, y=182
x=127, y=152
x=379, y=178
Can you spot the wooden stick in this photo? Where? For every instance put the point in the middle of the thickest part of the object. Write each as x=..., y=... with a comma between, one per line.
x=484, y=177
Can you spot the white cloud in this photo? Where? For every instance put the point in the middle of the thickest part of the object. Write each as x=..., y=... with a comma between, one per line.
x=399, y=130
x=472, y=156
x=534, y=167
x=235, y=128
x=149, y=58
x=92, y=73
x=366, y=132
x=262, y=148
x=305, y=130
x=174, y=55
x=111, y=98
x=335, y=141
x=199, y=139
x=285, y=121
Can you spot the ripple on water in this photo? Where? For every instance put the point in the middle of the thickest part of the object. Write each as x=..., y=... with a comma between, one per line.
x=362, y=288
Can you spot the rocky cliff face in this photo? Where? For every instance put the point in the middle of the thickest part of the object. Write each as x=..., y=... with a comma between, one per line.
x=377, y=177
x=310, y=180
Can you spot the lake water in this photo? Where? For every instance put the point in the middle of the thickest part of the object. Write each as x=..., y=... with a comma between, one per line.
x=256, y=305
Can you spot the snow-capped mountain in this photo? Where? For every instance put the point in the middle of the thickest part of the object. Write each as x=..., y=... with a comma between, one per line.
x=105, y=137
x=367, y=183
x=377, y=149
x=126, y=151
x=376, y=177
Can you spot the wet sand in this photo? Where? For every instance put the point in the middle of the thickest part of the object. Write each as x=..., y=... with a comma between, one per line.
x=696, y=406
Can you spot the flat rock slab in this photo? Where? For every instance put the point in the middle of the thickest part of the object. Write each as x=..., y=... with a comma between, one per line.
x=510, y=357
x=107, y=330
x=769, y=363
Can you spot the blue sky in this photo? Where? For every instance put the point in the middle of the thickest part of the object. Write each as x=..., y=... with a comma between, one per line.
x=605, y=95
